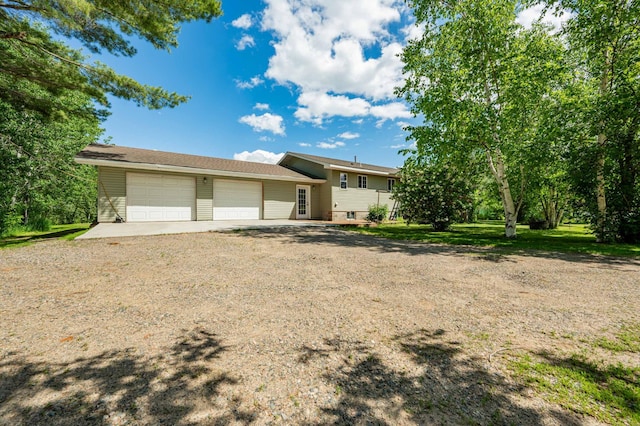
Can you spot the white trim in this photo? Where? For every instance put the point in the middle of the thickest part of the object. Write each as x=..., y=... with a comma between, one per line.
x=346, y=181
x=355, y=169
x=192, y=170
x=362, y=179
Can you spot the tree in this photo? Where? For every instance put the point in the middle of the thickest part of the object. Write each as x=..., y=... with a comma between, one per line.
x=605, y=34
x=433, y=193
x=38, y=178
x=478, y=79
x=29, y=53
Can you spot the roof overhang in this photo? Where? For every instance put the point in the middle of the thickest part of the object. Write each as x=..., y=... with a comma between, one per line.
x=192, y=170
x=358, y=170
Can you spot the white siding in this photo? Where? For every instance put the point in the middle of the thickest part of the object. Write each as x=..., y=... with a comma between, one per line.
x=111, y=185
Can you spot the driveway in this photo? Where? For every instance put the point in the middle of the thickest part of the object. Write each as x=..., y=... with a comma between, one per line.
x=291, y=325
x=134, y=229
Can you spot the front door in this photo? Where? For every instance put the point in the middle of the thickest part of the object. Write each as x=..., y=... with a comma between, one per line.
x=303, y=204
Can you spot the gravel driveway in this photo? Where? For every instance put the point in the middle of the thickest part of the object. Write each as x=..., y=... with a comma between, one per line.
x=291, y=326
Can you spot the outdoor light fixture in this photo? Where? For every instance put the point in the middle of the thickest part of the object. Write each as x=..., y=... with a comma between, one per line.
x=204, y=179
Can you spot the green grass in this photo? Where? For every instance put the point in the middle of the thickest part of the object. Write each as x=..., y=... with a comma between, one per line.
x=566, y=239
x=23, y=238
x=609, y=392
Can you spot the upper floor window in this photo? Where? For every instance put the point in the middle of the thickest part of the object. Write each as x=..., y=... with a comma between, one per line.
x=391, y=182
x=343, y=181
x=362, y=182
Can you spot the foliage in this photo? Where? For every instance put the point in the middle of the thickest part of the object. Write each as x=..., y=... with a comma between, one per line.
x=437, y=194
x=39, y=182
x=29, y=53
x=564, y=239
x=601, y=118
x=377, y=213
x=479, y=80
x=20, y=237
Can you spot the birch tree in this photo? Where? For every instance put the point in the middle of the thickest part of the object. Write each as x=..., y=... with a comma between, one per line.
x=478, y=78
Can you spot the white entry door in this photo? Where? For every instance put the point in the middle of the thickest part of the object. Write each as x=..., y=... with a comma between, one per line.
x=303, y=202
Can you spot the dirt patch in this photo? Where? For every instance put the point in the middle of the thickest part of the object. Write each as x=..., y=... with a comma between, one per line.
x=304, y=326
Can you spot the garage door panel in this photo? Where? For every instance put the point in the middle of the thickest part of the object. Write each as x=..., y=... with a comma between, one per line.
x=237, y=200
x=157, y=198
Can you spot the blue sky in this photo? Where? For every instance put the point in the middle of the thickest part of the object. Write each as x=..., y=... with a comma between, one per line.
x=270, y=76
x=275, y=76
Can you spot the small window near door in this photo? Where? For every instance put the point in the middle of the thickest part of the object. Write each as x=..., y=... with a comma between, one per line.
x=343, y=181
x=362, y=182
x=390, y=184
x=351, y=215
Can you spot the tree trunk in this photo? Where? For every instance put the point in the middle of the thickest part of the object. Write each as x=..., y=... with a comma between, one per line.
x=509, y=206
x=601, y=220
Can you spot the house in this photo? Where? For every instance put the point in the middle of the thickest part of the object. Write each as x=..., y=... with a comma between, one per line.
x=138, y=185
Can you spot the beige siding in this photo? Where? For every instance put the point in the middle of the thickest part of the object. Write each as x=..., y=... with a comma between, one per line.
x=279, y=200
x=204, y=198
x=112, y=185
x=356, y=199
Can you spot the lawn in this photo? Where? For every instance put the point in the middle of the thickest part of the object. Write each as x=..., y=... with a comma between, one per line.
x=567, y=238
x=23, y=238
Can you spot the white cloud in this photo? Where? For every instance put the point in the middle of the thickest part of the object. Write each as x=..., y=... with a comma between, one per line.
x=413, y=31
x=358, y=121
x=403, y=124
x=304, y=144
x=536, y=13
x=253, y=82
x=329, y=145
x=259, y=156
x=317, y=106
x=243, y=22
x=266, y=139
x=264, y=123
x=336, y=52
x=349, y=135
x=245, y=41
x=261, y=106
x=398, y=146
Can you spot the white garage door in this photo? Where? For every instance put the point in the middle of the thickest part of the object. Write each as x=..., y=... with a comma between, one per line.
x=234, y=199
x=160, y=198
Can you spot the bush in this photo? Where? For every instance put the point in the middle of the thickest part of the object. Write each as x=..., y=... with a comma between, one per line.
x=437, y=194
x=41, y=224
x=377, y=213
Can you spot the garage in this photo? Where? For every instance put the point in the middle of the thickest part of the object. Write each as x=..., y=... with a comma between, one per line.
x=160, y=198
x=237, y=200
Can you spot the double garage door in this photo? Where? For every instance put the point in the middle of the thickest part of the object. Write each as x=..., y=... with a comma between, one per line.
x=158, y=198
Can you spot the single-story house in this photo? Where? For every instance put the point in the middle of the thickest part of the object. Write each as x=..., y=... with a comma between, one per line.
x=138, y=185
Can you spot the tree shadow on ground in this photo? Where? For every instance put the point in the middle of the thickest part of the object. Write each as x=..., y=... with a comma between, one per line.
x=442, y=386
x=13, y=241
x=118, y=387
x=333, y=236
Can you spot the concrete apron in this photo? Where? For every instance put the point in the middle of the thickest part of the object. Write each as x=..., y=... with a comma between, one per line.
x=110, y=230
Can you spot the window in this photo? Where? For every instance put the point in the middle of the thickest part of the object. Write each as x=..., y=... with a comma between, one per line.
x=391, y=182
x=362, y=182
x=343, y=181
x=351, y=215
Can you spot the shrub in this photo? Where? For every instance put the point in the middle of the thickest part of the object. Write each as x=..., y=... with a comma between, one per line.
x=377, y=213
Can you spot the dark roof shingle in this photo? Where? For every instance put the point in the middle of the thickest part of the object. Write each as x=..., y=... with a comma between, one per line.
x=121, y=154
x=342, y=163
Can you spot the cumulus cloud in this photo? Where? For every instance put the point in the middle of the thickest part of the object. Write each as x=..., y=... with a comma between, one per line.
x=243, y=22
x=536, y=13
x=253, y=82
x=349, y=135
x=335, y=52
x=329, y=145
x=245, y=41
x=259, y=156
x=261, y=106
x=264, y=123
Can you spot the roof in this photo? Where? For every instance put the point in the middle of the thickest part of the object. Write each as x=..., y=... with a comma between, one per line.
x=146, y=159
x=333, y=163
